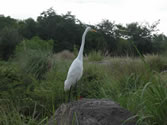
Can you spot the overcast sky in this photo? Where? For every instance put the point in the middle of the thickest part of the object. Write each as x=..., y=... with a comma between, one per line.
x=92, y=11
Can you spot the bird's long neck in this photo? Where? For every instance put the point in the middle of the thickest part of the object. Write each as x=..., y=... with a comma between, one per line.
x=80, y=55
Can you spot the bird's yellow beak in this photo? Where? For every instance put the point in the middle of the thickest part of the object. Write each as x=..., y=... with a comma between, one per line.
x=93, y=30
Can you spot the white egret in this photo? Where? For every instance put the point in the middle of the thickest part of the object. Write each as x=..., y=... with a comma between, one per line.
x=76, y=69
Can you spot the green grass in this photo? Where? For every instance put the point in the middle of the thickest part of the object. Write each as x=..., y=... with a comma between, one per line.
x=95, y=56
x=26, y=99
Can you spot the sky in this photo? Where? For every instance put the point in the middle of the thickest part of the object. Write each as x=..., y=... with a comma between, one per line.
x=92, y=11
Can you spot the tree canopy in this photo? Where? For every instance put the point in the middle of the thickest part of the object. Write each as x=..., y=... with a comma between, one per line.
x=66, y=31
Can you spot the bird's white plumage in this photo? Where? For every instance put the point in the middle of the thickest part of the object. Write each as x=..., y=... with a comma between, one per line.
x=76, y=69
x=74, y=74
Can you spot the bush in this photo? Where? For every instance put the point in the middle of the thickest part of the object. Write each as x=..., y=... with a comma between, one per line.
x=38, y=65
x=34, y=44
x=13, y=82
x=9, y=38
x=34, y=56
x=92, y=82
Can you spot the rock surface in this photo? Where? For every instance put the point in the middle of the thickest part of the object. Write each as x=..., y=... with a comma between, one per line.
x=91, y=112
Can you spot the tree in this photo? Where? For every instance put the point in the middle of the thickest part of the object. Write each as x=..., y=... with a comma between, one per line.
x=159, y=43
x=28, y=28
x=7, y=22
x=64, y=30
x=141, y=36
x=9, y=38
x=107, y=29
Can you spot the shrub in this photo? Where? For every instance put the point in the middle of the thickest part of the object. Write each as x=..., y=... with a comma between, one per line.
x=34, y=56
x=11, y=81
x=92, y=82
x=9, y=38
x=38, y=65
x=34, y=44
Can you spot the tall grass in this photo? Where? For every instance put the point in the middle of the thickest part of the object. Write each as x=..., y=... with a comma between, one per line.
x=27, y=100
x=133, y=86
x=95, y=56
x=154, y=96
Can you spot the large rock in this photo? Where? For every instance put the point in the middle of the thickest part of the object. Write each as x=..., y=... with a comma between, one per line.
x=91, y=112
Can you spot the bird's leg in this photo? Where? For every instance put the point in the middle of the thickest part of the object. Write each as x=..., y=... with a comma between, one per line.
x=76, y=91
x=64, y=96
x=69, y=96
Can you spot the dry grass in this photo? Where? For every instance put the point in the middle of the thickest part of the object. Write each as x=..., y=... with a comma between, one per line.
x=64, y=55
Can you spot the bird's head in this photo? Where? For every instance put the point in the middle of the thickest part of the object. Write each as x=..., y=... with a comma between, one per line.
x=90, y=29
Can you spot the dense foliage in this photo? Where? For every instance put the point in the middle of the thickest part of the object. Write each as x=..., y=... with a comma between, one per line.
x=66, y=30
x=33, y=67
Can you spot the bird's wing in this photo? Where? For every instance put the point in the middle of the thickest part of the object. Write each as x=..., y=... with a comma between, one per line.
x=75, y=71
